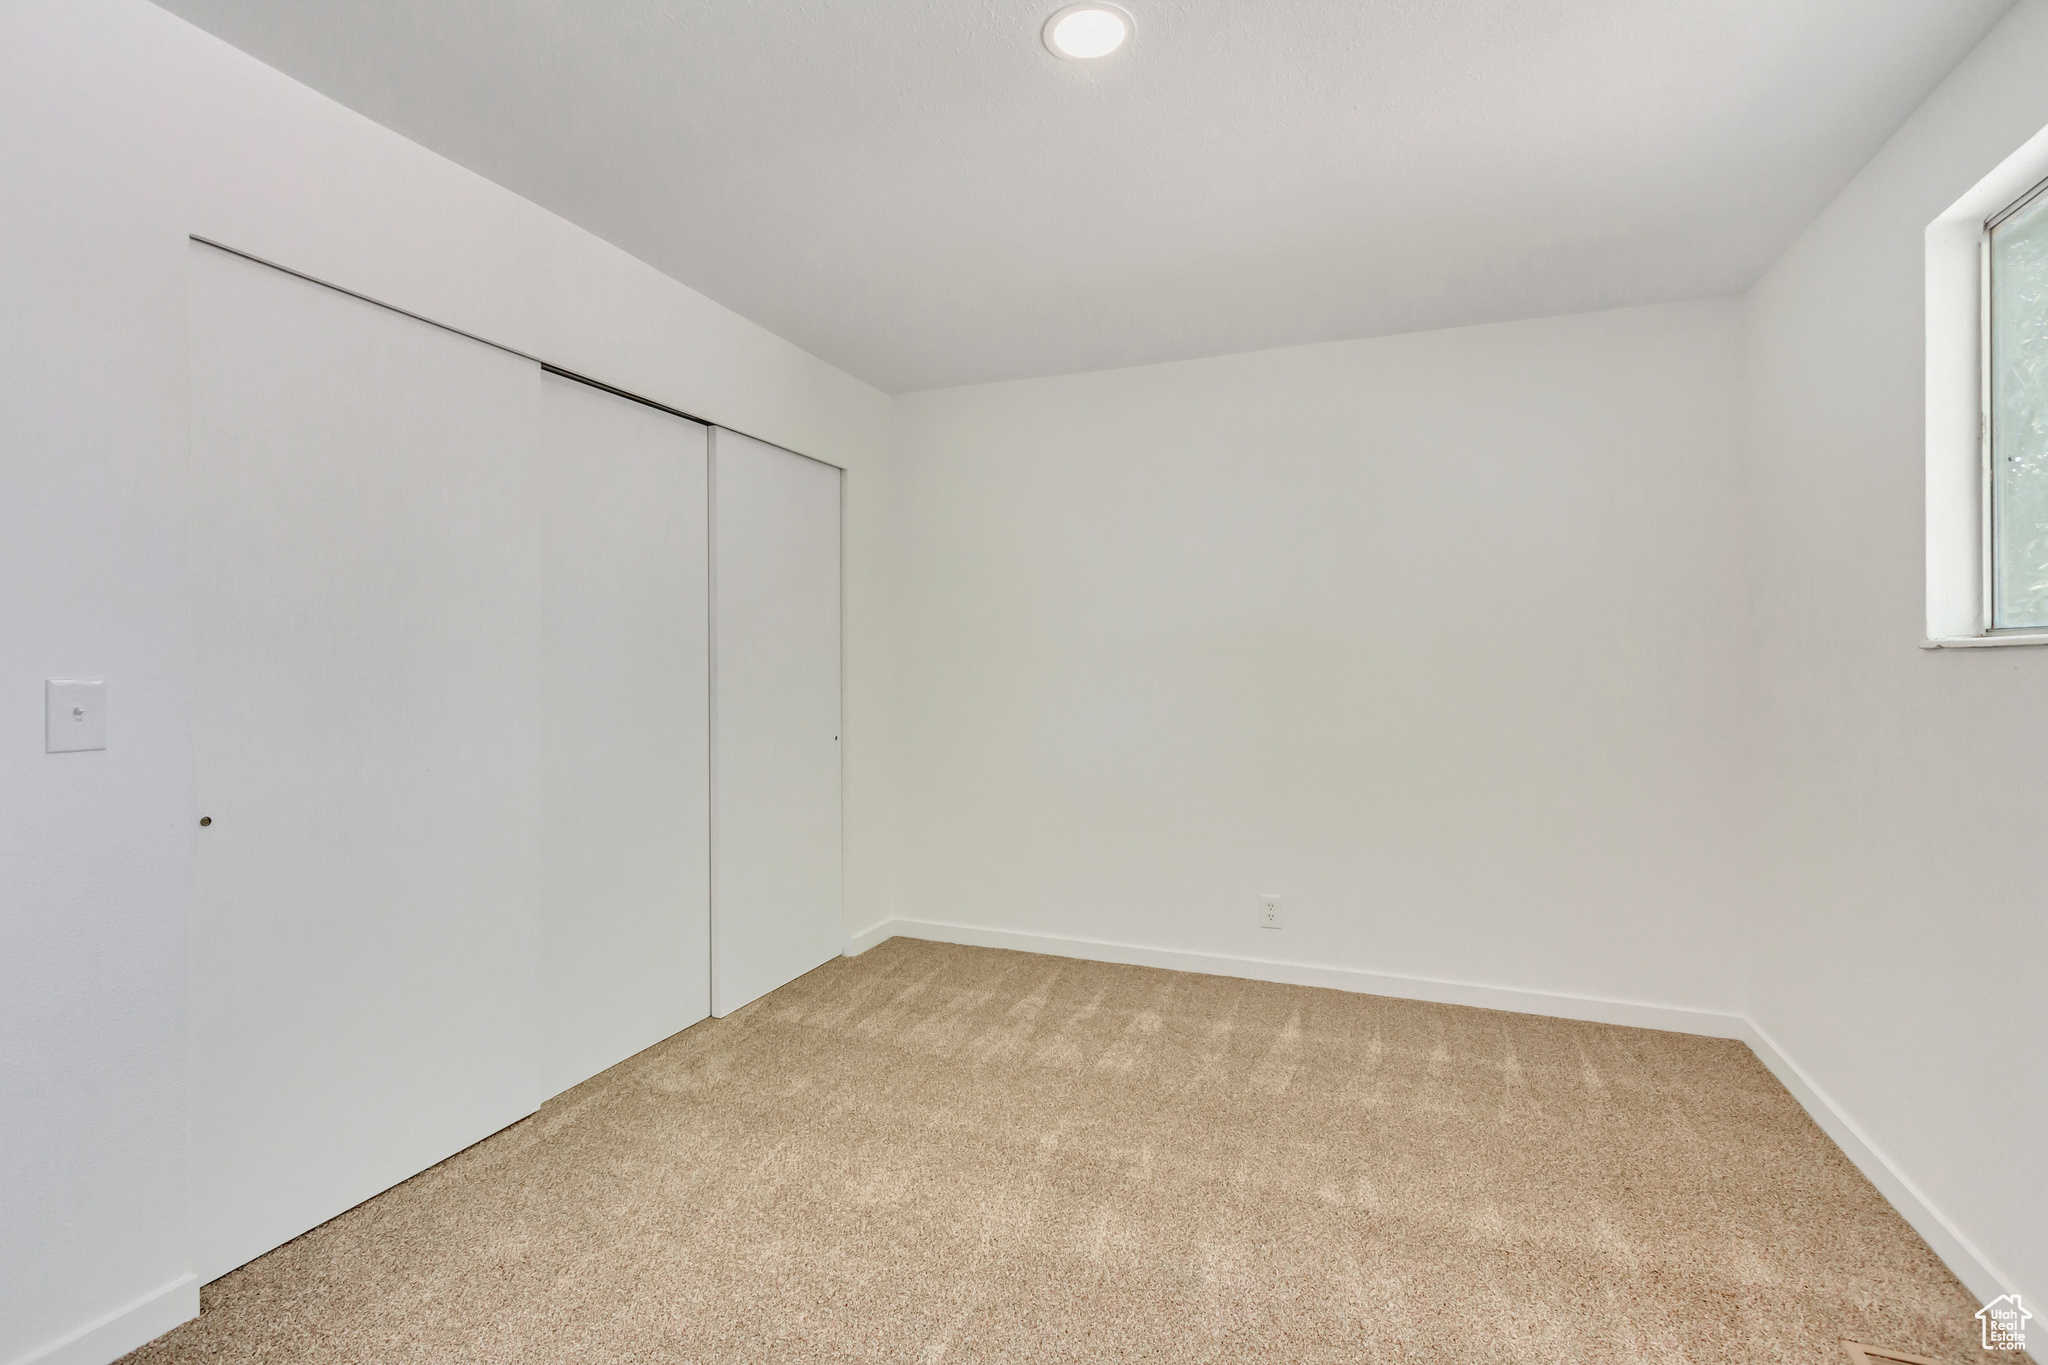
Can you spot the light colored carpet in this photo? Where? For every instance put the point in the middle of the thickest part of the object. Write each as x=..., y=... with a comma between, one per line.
x=933, y=1153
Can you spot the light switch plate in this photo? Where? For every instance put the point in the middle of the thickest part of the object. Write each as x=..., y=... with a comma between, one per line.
x=74, y=715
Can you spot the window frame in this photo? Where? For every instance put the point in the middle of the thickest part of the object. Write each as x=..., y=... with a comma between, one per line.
x=1987, y=473
x=1958, y=411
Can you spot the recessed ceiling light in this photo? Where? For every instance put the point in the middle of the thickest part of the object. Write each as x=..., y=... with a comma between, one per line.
x=1082, y=33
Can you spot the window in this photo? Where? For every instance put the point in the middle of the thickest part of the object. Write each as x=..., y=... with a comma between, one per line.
x=2016, y=413
x=1987, y=410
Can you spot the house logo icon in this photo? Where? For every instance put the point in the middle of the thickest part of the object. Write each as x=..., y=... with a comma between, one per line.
x=2005, y=1323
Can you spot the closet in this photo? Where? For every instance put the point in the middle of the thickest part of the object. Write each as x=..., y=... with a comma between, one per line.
x=456, y=711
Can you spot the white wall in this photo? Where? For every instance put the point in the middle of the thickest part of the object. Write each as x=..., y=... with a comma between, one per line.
x=1441, y=637
x=123, y=129
x=1898, y=952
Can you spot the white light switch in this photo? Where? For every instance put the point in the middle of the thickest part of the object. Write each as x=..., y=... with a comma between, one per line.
x=74, y=715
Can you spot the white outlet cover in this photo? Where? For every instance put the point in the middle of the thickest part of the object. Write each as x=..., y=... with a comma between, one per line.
x=1269, y=912
x=74, y=715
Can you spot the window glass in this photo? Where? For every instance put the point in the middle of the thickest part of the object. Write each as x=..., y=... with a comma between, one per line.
x=2019, y=418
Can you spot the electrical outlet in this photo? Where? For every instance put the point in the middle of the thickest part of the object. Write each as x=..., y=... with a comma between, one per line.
x=1269, y=912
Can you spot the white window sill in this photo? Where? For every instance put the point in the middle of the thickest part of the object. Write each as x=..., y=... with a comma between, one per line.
x=1987, y=641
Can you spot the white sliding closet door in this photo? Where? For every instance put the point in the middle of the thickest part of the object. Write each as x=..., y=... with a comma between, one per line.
x=365, y=516
x=775, y=901
x=450, y=719
x=625, y=918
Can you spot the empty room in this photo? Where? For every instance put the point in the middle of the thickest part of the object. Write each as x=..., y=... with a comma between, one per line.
x=1005, y=680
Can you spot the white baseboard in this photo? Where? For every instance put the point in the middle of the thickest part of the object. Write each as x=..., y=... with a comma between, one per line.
x=1941, y=1237
x=1955, y=1250
x=1592, y=1009
x=124, y=1329
x=872, y=935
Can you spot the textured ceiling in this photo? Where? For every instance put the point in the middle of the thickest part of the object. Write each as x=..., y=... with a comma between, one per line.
x=918, y=192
